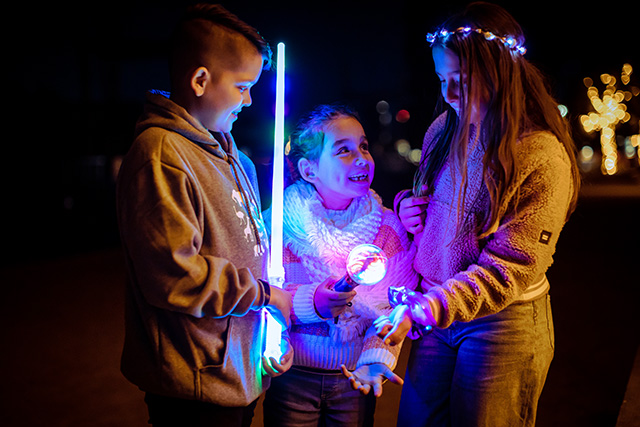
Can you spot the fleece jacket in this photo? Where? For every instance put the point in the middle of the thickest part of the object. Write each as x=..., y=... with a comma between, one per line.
x=473, y=277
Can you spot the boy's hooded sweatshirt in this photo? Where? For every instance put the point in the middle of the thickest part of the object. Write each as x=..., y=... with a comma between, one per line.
x=194, y=240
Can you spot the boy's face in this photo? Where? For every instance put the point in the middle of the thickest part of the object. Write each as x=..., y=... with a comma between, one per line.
x=228, y=92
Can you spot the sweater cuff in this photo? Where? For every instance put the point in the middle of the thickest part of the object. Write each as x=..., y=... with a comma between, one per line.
x=303, y=304
x=436, y=309
x=377, y=355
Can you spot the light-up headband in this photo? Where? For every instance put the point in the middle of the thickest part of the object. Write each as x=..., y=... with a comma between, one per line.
x=510, y=42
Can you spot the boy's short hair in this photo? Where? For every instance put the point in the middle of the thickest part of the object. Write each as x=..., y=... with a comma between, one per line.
x=207, y=29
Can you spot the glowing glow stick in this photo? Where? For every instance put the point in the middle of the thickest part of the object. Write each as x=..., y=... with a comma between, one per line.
x=276, y=267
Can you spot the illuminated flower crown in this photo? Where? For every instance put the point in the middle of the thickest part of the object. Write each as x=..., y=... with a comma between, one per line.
x=510, y=42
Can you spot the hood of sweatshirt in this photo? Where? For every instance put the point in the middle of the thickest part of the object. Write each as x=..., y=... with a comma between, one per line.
x=163, y=113
x=160, y=111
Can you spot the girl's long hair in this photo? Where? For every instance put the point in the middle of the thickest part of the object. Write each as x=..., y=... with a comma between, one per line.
x=518, y=102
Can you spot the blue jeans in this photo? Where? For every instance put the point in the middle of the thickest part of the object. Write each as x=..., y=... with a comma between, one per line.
x=487, y=372
x=302, y=397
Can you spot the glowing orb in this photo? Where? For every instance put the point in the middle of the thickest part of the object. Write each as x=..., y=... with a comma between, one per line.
x=366, y=264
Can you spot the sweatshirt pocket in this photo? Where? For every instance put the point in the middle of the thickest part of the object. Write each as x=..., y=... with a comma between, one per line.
x=237, y=379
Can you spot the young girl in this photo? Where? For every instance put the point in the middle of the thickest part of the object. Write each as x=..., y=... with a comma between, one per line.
x=495, y=186
x=328, y=210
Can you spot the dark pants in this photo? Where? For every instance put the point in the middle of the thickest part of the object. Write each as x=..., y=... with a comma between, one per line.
x=312, y=397
x=172, y=412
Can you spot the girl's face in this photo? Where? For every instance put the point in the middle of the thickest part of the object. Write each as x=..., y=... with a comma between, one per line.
x=345, y=167
x=453, y=82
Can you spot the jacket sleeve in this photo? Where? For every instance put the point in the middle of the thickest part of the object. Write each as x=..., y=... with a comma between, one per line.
x=162, y=235
x=520, y=251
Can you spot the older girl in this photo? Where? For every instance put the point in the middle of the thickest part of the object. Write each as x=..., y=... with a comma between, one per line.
x=495, y=186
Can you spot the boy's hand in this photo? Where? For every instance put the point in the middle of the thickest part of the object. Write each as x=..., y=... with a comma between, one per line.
x=329, y=303
x=280, y=306
x=412, y=212
x=275, y=368
x=393, y=329
x=368, y=377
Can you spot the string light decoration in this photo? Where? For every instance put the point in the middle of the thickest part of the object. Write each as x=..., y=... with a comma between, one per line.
x=610, y=110
x=509, y=42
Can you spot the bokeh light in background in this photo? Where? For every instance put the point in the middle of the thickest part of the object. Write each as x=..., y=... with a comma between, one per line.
x=610, y=110
x=401, y=145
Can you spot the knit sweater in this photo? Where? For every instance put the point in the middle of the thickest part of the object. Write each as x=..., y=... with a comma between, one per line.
x=317, y=243
x=473, y=277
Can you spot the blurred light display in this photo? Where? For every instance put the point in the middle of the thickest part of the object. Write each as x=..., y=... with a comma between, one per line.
x=610, y=110
x=403, y=116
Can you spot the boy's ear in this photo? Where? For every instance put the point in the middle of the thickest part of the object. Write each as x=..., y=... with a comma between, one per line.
x=307, y=170
x=199, y=80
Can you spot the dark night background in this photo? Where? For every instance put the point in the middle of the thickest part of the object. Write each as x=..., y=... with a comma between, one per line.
x=77, y=74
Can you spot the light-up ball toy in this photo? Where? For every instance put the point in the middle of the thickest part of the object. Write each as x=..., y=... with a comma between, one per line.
x=366, y=265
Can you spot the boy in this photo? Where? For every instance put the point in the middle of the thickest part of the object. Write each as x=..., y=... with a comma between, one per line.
x=193, y=236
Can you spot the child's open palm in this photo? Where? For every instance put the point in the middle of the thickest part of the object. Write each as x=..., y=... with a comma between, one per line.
x=367, y=377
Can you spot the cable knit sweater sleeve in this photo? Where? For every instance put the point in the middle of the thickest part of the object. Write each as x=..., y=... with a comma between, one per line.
x=302, y=290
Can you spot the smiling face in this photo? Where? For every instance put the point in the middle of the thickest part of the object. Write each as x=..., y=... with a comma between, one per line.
x=228, y=92
x=345, y=167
